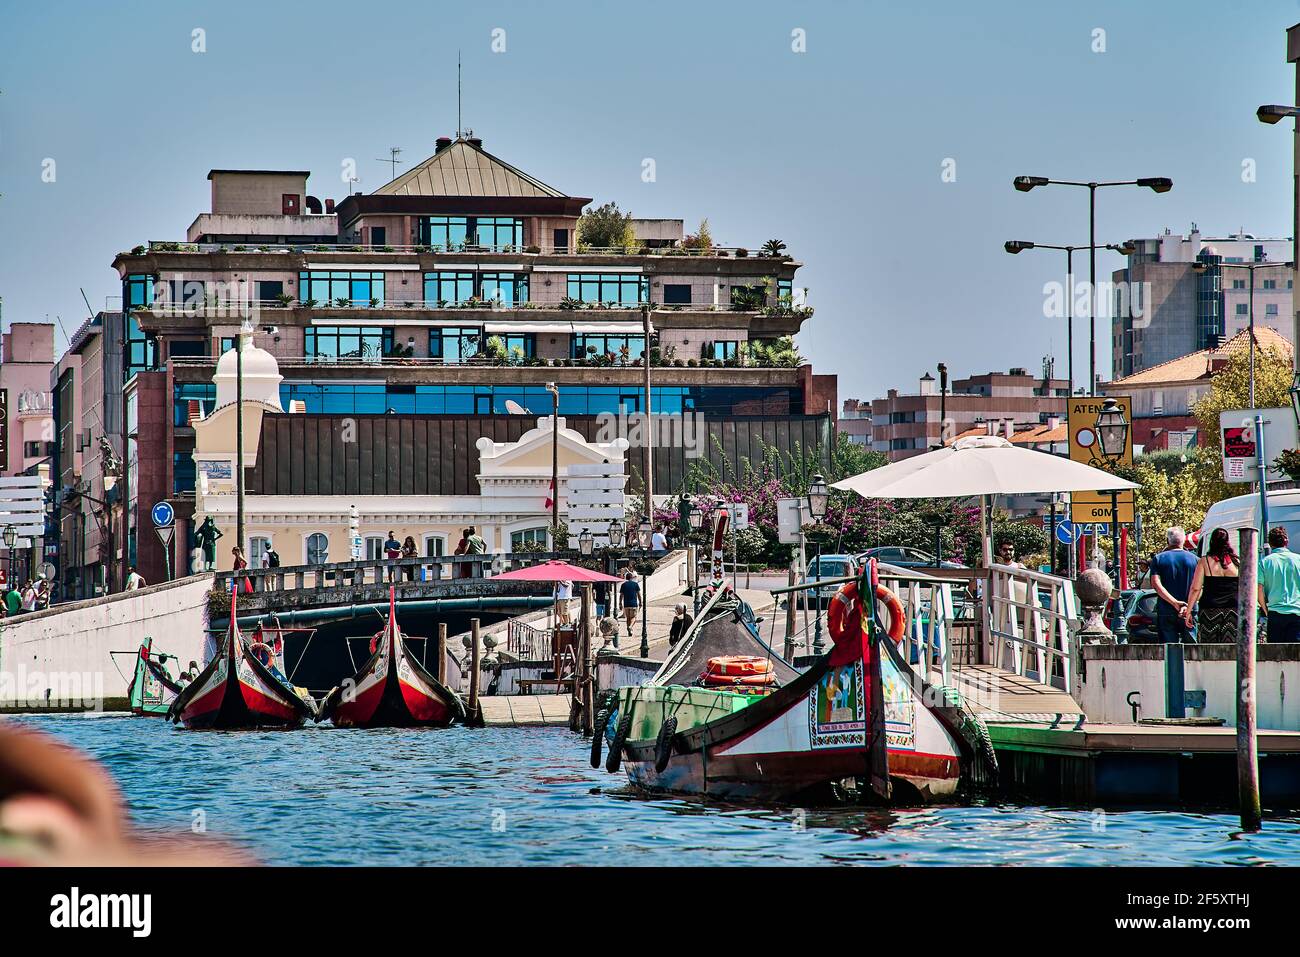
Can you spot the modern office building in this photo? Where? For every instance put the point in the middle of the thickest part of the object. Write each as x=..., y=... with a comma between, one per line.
x=906, y=424
x=1163, y=307
x=454, y=293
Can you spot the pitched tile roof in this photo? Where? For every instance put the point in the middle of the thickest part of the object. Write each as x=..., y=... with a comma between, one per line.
x=463, y=169
x=1200, y=365
x=1037, y=434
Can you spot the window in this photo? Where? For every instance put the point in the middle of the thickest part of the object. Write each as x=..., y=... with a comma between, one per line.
x=458, y=232
x=289, y=204
x=625, y=289
x=1270, y=309
x=1239, y=284
x=528, y=536
x=355, y=288
x=561, y=240
x=506, y=288
x=454, y=344
x=725, y=350
x=268, y=290
x=605, y=345
x=677, y=294
x=748, y=297
x=139, y=348
x=318, y=548
x=258, y=546
x=434, y=546
x=1241, y=309
x=374, y=547
x=378, y=235
x=183, y=474
x=32, y=449
x=454, y=287
x=524, y=342
x=330, y=343
x=187, y=348
x=1270, y=283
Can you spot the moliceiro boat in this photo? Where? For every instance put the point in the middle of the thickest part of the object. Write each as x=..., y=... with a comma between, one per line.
x=153, y=687
x=728, y=717
x=238, y=689
x=392, y=689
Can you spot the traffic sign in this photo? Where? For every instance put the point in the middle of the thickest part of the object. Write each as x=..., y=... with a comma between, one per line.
x=1091, y=507
x=1066, y=532
x=163, y=515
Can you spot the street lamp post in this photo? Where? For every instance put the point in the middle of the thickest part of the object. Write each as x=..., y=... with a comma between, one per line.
x=1112, y=435
x=1273, y=114
x=943, y=402
x=586, y=542
x=555, y=463
x=1017, y=246
x=1157, y=184
x=818, y=498
x=10, y=536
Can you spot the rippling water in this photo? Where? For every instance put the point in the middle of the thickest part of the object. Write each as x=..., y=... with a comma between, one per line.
x=504, y=796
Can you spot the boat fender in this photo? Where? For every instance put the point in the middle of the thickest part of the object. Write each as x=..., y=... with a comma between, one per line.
x=664, y=744
x=615, y=758
x=844, y=615
x=598, y=734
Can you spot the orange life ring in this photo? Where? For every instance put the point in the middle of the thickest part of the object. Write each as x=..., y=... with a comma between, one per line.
x=262, y=652
x=737, y=665
x=727, y=681
x=844, y=615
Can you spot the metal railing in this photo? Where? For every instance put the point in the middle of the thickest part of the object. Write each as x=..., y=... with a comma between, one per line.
x=501, y=249
x=1031, y=621
x=239, y=308
x=930, y=612
x=527, y=642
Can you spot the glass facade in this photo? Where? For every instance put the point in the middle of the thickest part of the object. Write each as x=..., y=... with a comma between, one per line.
x=461, y=232
x=330, y=343
x=459, y=286
x=327, y=288
x=139, y=349
x=376, y=398
x=205, y=393
x=449, y=286
x=454, y=344
x=1209, y=302
x=624, y=289
x=608, y=345
x=183, y=473
x=132, y=467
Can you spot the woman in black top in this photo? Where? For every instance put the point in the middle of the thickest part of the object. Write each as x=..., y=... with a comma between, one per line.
x=1214, y=585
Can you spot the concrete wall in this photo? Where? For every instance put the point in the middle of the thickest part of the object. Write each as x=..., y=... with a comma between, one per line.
x=68, y=646
x=1112, y=672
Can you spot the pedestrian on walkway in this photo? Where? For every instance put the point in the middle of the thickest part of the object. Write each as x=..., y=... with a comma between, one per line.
x=392, y=551
x=1214, y=592
x=682, y=622
x=630, y=592
x=1279, y=589
x=134, y=580
x=1171, y=577
x=563, y=592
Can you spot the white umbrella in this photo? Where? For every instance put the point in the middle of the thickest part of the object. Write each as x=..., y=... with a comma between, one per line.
x=981, y=465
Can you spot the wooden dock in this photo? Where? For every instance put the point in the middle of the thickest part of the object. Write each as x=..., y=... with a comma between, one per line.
x=525, y=711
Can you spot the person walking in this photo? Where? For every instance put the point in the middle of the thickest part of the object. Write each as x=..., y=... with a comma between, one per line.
x=659, y=540
x=682, y=622
x=1279, y=589
x=13, y=601
x=600, y=594
x=630, y=593
x=134, y=580
x=1171, y=577
x=1214, y=592
x=563, y=593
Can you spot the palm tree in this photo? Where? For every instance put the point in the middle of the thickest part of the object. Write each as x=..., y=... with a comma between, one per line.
x=773, y=247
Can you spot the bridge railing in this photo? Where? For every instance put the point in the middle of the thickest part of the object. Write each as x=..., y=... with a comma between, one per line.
x=1031, y=622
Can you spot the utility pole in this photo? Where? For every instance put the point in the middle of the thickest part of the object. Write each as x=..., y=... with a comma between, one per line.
x=649, y=432
x=244, y=329
x=552, y=388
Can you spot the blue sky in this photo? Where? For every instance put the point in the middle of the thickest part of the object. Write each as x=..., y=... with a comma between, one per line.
x=838, y=150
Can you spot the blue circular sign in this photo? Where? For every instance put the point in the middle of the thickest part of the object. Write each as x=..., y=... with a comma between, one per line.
x=163, y=515
x=1067, y=532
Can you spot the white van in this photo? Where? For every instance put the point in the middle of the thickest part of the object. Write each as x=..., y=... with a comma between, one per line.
x=1243, y=510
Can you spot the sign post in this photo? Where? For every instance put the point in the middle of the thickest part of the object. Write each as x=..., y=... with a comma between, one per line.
x=164, y=522
x=1098, y=508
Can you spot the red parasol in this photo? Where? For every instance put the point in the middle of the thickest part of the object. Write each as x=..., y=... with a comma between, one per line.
x=555, y=571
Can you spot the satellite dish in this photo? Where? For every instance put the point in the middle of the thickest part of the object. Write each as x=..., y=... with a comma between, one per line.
x=514, y=408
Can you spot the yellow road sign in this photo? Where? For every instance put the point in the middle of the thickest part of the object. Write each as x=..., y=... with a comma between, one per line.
x=1094, y=507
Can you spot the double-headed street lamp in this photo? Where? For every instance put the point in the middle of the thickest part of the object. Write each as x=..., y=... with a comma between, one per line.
x=1017, y=246
x=1273, y=114
x=1158, y=184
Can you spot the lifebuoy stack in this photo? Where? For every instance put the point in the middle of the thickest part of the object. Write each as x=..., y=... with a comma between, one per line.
x=748, y=673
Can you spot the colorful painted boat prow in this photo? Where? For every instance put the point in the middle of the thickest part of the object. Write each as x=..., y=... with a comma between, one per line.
x=392, y=689
x=236, y=690
x=152, y=688
x=855, y=717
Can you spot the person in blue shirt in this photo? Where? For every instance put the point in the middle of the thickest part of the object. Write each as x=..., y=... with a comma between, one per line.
x=1279, y=589
x=630, y=593
x=1171, y=576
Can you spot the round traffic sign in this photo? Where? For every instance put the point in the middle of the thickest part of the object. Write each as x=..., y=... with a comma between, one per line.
x=1086, y=438
x=1066, y=532
x=163, y=515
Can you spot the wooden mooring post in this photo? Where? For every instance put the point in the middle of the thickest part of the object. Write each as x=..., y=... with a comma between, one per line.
x=474, y=653
x=580, y=713
x=441, y=661
x=789, y=617
x=1247, y=616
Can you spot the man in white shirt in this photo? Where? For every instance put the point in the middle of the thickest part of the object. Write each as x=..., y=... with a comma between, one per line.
x=659, y=541
x=134, y=580
x=563, y=592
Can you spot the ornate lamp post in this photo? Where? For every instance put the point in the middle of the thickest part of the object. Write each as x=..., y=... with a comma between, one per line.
x=586, y=542
x=10, y=536
x=819, y=495
x=1112, y=435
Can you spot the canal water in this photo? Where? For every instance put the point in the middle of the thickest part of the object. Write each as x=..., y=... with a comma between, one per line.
x=508, y=796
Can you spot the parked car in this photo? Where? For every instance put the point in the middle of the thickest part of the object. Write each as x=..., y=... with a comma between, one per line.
x=829, y=566
x=1242, y=510
x=1140, y=617
x=1120, y=609
x=905, y=557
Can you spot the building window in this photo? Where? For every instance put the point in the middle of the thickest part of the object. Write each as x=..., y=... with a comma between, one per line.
x=528, y=536
x=1270, y=309
x=374, y=547
x=1270, y=283
x=435, y=546
x=454, y=344
x=624, y=289
x=612, y=346
x=183, y=474
x=506, y=288
x=519, y=344
x=258, y=546
x=677, y=294
x=748, y=297
x=503, y=233
x=357, y=289
x=1241, y=309
x=378, y=235
x=561, y=240
x=331, y=343
x=317, y=548
x=725, y=350
x=1239, y=284
x=187, y=348
x=32, y=450
x=448, y=287
x=269, y=290
x=139, y=348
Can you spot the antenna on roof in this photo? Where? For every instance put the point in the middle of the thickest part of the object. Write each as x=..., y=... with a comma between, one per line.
x=392, y=158
x=458, y=128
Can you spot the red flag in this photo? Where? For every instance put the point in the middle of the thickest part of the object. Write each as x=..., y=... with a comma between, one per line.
x=550, y=490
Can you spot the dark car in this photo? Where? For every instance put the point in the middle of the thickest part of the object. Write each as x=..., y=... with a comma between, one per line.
x=905, y=557
x=1140, y=617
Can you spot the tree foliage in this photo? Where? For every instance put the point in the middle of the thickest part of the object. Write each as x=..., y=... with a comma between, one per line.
x=605, y=227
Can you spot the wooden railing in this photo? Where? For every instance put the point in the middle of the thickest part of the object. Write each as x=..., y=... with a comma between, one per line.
x=1030, y=624
x=527, y=642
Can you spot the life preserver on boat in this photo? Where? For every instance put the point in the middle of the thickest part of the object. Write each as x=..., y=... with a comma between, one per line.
x=844, y=615
x=738, y=681
x=737, y=666
x=262, y=652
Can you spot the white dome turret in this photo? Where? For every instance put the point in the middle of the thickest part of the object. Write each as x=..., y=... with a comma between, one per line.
x=261, y=376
